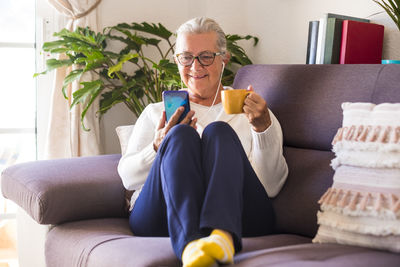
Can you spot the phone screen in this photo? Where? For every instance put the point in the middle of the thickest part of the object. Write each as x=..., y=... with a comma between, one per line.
x=173, y=100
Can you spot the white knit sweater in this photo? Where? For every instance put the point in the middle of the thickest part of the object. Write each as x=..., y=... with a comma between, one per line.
x=264, y=150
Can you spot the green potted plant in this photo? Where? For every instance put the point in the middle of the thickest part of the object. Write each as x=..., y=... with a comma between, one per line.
x=137, y=85
x=392, y=8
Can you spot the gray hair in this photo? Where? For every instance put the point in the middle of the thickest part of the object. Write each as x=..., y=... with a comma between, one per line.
x=204, y=25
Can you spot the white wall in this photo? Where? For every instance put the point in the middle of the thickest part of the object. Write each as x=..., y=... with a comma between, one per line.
x=281, y=25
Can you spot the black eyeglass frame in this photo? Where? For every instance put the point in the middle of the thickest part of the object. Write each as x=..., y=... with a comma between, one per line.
x=198, y=58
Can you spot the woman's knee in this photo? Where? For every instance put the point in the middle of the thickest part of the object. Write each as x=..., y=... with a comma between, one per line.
x=181, y=136
x=218, y=128
x=182, y=131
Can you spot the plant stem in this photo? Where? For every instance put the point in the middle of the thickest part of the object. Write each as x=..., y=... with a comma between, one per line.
x=171, y=47
x=132, y=108
x=161, y=53
x=157, y=84
x=137, y=103
x=149, y=96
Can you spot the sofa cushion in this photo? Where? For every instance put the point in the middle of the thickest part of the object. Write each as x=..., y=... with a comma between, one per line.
x=327, y=255
x=158, y=251
x=61, y=190
x=71, y=244
x=309, y=177
x=363, y=205
x=124, y=133
x=109, y=242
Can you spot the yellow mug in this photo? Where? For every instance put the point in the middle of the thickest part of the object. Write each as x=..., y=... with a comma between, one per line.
x=233, y=100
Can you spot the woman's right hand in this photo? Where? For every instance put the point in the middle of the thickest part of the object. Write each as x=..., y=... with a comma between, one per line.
x=164, y=127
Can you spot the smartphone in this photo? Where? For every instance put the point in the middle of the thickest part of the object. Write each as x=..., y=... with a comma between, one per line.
x=173, y=100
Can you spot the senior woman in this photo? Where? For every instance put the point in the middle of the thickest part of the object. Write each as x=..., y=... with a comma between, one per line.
x=207, y=181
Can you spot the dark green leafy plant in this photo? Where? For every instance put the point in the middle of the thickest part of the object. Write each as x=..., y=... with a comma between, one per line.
x=392, y=8
x=116, y=82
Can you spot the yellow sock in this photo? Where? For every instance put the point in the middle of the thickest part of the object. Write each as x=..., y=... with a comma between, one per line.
x=218, y=246
x=193, y=256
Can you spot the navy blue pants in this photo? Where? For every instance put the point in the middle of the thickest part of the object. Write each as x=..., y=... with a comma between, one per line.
x=198, y=184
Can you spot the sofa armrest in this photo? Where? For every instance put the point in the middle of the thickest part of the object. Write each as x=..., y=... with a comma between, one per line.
x=57, y=191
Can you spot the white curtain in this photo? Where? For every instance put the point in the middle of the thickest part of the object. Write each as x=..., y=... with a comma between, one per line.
x=66, y=138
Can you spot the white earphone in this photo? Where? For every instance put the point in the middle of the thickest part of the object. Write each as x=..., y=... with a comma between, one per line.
x=216, y=93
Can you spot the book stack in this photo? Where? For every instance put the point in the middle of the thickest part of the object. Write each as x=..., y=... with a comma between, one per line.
x=338, y=39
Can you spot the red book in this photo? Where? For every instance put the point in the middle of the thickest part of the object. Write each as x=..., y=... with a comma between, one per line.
x=361, y=43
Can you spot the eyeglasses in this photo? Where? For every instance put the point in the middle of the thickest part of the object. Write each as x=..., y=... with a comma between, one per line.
x=205, y=58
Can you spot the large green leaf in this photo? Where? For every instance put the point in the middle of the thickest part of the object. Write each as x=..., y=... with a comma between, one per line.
x=94, y=94
x=110, y=99
x=48, y=46
x=238, y=55
x=130, y=44
x=140, y=77
x=59, y=50
x=234, y=38
x=86, y=92
x=132, y=37
x=151, y=41
x=80, y=34
x=133, y=40
x=101, y=39
x=94, y=55
x=96, y=64
x=81, y=60
x=169, y=72
x=53, y=63
x=39, y=73
x=72, y=76
x=157, y=30
x=118, y=66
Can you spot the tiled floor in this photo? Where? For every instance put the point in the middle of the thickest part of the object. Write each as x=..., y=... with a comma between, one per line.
x=8, y=243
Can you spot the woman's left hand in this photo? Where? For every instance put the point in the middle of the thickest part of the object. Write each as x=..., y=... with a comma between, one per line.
x=256, y=111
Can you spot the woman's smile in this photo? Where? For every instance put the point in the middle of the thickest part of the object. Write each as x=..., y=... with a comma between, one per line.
x=197, y=76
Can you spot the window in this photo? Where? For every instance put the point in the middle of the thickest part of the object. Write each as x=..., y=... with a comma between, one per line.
x=17, y=98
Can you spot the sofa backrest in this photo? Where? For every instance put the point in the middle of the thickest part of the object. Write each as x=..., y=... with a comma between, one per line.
x=307, y=100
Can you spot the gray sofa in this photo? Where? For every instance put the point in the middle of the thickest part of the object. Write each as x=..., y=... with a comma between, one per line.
x=83, y=198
